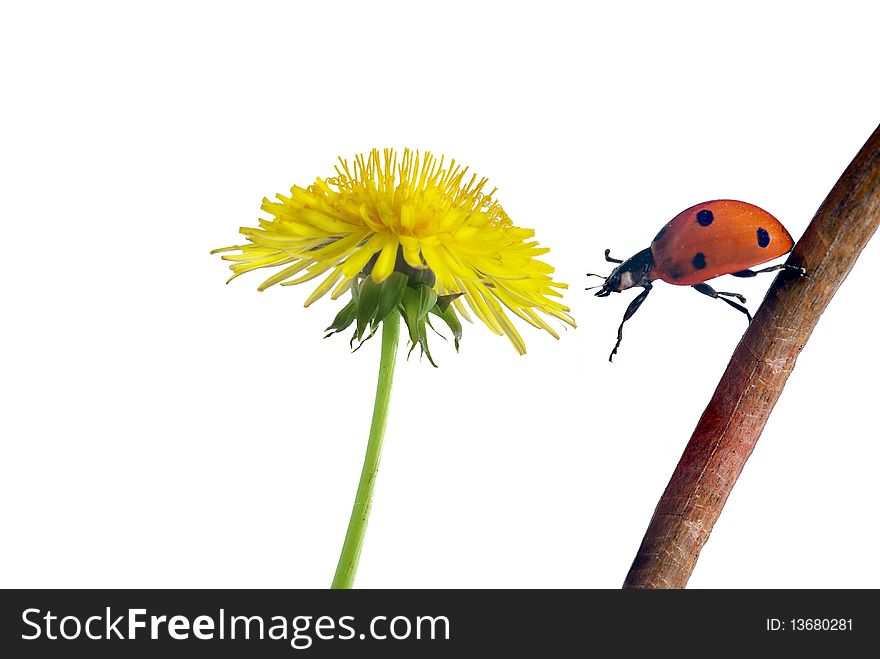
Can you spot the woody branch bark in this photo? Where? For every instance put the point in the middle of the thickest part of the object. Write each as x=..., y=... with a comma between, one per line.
x=732, y=423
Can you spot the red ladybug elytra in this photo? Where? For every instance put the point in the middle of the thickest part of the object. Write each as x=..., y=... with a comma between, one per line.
x=714, y=238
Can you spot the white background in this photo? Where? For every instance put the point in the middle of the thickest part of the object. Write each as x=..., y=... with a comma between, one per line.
x=162, y=429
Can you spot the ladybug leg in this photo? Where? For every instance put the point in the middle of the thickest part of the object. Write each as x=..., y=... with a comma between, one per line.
x=782, y=266
x=802, y=272
x=610, y=258
x=705, y=289
x=630, y=311
x=741, y=298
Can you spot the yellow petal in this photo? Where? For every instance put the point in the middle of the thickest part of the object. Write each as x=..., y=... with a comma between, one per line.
x=287, y=273
x=325, y=286
x=385, y=263
x=361, y=256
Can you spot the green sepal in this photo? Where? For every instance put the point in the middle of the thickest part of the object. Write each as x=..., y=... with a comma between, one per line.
x=423, y=341
x=443, y=301
x=355, y=348
x=421, y=277
x=390, y=293
x=343, y=319
x=368, y=303
x=427, y=299
x=415, y=306
x=451, y=319
x=409, y=309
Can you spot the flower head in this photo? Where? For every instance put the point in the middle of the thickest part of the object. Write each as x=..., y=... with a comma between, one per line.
x=410, y=233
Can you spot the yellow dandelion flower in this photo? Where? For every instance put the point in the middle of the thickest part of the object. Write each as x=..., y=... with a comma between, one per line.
x=415, y=216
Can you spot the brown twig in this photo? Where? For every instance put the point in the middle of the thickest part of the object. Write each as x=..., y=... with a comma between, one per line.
x=732, y=423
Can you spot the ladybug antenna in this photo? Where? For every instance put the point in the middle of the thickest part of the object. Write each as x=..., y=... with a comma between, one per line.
x=593, y=274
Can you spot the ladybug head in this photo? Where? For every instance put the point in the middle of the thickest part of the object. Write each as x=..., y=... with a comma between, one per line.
x=635, y=271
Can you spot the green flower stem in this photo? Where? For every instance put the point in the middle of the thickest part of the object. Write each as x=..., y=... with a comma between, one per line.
x=363, y=501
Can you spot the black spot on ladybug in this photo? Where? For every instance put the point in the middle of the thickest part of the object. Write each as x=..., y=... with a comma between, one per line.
x=699, y=260
x=705, y=218
x=660, y=233
x=675, y=274
x=763, y=237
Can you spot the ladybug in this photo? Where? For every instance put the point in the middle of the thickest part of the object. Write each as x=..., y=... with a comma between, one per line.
x=714, y=238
